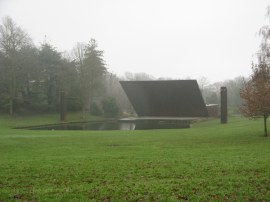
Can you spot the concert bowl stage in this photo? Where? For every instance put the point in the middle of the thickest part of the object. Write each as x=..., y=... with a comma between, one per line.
x=165, y=103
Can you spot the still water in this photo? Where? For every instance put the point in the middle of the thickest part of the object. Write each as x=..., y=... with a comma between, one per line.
x=116, y=125
x=105, y=125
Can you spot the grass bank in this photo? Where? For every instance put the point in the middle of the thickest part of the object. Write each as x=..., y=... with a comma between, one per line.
x=7, y=121
x=209, y=162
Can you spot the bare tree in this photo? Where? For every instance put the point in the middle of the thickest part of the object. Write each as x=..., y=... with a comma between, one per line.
x=203, y=83
x=12, y=40
x=256, y=94
x=138, y=76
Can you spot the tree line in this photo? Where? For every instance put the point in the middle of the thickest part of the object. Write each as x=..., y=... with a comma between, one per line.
x=31, y=77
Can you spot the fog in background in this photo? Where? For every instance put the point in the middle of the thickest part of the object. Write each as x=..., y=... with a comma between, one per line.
x=164, y=38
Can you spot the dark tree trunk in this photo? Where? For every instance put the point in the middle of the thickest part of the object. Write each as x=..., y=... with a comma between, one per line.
x=265, y=125
x=11, y=106
x=63, y=109
x=49, y=96
x=12, y=87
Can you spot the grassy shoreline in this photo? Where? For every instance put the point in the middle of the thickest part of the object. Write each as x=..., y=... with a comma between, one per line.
x=8, y=121
x=208, y=162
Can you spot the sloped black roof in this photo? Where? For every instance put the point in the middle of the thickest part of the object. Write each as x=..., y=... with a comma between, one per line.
x=166, y=98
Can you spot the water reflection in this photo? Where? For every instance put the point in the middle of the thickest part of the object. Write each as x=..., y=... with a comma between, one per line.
x=128, y=126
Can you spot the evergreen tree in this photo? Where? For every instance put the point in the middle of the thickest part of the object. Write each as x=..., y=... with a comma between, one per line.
x=91, y=68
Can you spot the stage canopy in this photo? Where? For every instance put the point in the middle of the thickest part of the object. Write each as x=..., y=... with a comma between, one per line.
x=165, y=98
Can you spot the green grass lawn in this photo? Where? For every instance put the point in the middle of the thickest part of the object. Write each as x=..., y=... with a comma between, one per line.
x=209, y=162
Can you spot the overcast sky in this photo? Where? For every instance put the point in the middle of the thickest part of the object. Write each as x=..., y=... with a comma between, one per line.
x=216, y=39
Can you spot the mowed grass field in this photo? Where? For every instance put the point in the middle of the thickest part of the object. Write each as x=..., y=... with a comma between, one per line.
x=208, y=162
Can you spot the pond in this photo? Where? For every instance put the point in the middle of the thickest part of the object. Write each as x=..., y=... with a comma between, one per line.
x=117, y=125
x=104, y=125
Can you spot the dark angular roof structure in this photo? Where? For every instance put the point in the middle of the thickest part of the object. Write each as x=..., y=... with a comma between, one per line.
x=166, y=98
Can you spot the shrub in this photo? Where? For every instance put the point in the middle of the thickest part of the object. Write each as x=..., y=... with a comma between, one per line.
x=95, y=109
x=110, y=107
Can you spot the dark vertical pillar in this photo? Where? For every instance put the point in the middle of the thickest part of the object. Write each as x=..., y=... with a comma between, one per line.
x=63, y=110
x=223, y=105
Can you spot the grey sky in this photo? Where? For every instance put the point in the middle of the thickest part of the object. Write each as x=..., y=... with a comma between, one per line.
x=165, y=38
